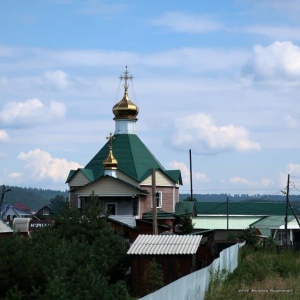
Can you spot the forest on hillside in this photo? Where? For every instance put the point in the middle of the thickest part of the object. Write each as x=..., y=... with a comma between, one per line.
x=34, y=198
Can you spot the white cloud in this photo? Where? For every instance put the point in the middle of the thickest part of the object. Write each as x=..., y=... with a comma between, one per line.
x=282, y=33
x=31, y=112
x=289, y=7
x=4, y=136
x=40, y=165
x=267, y=182
x=239, y=180
x=195, y=58
x=294, y=170
x=292, y=122
x=58, y=79
x=188, y=23
x=276, y=62
x=15, y=175
x=185, y=173
x=199, y=132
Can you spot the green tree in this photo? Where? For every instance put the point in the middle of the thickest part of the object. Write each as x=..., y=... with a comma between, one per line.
x=250, y=236
x=57, y=203
x=80, y=258
x=187, y=224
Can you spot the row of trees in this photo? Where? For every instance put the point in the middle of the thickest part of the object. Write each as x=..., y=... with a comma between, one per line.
x=239, y=197
x=80, y=258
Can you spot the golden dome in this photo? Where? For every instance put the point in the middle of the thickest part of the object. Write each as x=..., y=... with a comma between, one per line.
x=110, y=163
x=125, y=109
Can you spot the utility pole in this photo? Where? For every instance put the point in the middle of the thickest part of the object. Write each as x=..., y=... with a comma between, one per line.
x=4, y=190
x=154, y=203
x=286, y=211
x=191, y=175
x=227, y=208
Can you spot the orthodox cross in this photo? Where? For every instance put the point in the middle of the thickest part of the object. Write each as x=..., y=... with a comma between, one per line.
x=126, y=77
x=110, y=138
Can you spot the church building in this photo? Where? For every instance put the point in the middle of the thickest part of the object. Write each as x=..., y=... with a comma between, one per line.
x=121, y=173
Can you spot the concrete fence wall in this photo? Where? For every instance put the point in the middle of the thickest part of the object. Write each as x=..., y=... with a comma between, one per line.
x=194, y=285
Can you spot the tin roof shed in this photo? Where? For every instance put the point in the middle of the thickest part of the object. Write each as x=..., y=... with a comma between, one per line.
x=165, y=244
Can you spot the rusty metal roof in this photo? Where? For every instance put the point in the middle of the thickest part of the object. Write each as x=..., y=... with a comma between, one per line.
x=165, y=244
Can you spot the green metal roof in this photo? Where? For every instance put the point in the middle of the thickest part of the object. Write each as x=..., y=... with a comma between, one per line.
x=161, y=214
x=271, y=222
x=184, y=208
x=175, y=175
x=242, y=208
x=134, y=159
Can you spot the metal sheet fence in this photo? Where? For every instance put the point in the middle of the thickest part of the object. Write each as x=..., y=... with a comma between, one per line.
x=194, y=285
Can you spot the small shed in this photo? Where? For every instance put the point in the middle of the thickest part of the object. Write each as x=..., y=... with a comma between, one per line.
x=177, y=255
x=21, y=225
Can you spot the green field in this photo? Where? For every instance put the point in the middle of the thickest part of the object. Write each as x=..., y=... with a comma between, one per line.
x=261, y=274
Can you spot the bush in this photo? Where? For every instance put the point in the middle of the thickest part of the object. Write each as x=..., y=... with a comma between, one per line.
x=249, y=235
x=260, y=270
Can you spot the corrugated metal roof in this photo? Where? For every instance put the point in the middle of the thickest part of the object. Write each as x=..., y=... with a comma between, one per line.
x=165, y=244
x=220, y=222
x=127, y=220
x=161, y=214
x=272, y=222
x=4, y=227
x=243, y=208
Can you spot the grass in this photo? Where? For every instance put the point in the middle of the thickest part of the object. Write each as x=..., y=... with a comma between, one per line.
x=260, y=275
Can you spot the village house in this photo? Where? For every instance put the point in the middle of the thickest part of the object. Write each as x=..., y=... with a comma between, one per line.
x=44, y=213
x=11, y=212
x=276, y=227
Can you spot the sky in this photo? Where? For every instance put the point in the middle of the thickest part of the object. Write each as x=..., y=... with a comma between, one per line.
x=219, y=78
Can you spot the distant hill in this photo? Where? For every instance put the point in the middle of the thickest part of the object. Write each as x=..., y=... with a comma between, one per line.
x=31, y=197
x=36, y=198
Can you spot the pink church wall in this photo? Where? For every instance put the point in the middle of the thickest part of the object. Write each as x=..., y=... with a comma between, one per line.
x=168, y=194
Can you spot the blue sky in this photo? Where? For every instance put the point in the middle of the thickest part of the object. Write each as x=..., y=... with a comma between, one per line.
x=221, y=78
